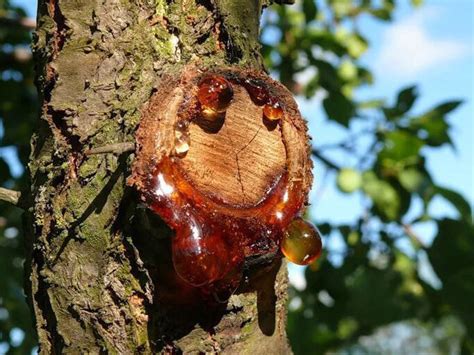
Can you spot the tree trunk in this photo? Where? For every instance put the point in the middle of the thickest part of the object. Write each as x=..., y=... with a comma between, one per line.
x=98, y=259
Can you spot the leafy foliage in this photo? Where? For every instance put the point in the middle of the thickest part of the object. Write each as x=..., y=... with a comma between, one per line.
x=375, y=281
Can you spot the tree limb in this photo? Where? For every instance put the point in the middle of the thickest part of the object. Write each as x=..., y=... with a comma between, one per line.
x=10, y=196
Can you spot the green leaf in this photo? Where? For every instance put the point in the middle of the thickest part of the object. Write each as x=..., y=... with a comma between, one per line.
x=434, y=131
x=356, y=45
x=341, y=7
x=338, y=108
x=400, y=149
x=325, y=40
x=348, y=71
x=310, y=10
x=453, y=247
x=411, y=179
x=457, y=200
x=447, y=107
x=385, y=197
x=370, y=104
x=451, y=256
x=416, y=3
x=368, y=291
x=365, y=76
x=458, y=291
x=325, y=228
x=432, y=125
x=328, y=77
x=405, y=101
x=382, y=14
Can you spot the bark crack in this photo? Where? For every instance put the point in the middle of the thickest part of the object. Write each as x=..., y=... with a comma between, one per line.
x=239, y=175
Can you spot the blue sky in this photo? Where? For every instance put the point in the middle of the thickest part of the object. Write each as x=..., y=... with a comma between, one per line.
x=431, y=46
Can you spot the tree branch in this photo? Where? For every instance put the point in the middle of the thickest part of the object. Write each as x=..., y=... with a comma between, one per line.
x=408, y=229
x=27, y=23
x=18, y=56
x=10, y=196
x=325, y=160
x=267, y=3
x=117, y=148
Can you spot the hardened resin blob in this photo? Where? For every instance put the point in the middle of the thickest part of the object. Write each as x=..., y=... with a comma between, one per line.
x=230, y=187
x=301, y=242
x=215, y=94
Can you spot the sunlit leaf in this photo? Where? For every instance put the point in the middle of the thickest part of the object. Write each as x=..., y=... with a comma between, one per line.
x=348, y=71
x=400, y=149
x=356, y=45
x=385, y=197
x=341, y=7
x=412, y=179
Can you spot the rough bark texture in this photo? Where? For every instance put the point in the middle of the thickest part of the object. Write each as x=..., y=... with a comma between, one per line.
x=99, y=262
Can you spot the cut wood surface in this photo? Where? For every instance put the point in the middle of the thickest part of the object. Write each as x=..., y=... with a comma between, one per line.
x=238, y=161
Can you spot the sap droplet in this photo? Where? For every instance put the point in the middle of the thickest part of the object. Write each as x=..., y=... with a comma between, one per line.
x=215, y=94
x=257, y=91
x=212, y=238
x=272, y=110
x=301, y=242
x=181, y=145
x=211, y=115
x=200, y=257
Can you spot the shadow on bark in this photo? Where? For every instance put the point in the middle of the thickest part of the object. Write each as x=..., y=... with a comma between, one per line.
x=177, y=308
x=96, y=206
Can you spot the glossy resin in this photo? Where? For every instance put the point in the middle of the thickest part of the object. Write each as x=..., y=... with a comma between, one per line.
x=212, y=237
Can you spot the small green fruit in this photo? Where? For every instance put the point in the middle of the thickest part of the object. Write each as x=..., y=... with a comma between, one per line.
x=349, y=180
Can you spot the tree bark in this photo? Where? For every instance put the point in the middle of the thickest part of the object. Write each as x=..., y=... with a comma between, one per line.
x=98, y=260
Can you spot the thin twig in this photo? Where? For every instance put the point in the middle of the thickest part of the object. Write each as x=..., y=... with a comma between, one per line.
x=408, y=229
x=347, y=143
x=10, y=196
x=325, y=160
x=117, y=148
x=27, y=23
x=19, y=55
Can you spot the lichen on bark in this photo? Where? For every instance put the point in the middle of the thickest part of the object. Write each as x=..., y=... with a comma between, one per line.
x=97, y=259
